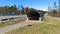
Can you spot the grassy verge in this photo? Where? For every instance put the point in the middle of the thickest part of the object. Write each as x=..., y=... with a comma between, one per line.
x=51, y=20
x=49, y=26
x=41, y=28
x=12, y=22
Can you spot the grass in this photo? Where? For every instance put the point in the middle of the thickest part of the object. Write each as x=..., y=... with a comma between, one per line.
x=41, y=28
x=49, y=26
x=51, y=20
x=11, y=22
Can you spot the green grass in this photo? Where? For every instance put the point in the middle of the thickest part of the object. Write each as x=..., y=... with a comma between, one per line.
x=45, y=20
x=43, y=28
x=11, y=22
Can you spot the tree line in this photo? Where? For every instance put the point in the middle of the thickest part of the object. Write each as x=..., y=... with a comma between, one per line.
x=14, y=8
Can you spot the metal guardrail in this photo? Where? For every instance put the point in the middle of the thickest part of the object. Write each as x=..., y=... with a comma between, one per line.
x=8, y=18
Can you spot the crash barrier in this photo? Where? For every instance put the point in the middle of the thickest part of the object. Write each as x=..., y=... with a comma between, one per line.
x=8, y=18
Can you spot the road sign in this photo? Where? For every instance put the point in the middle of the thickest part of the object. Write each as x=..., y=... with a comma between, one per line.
x=20, y=7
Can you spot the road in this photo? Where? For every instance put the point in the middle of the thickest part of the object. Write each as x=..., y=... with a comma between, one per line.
x=19, y=25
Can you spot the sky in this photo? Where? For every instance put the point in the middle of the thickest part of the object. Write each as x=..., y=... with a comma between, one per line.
x=37, y=4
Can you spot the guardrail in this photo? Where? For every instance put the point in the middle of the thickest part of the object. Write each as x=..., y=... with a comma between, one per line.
x=8, y=18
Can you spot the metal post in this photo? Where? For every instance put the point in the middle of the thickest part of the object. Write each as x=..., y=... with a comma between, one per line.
x=20, y=12
x=1, y=19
